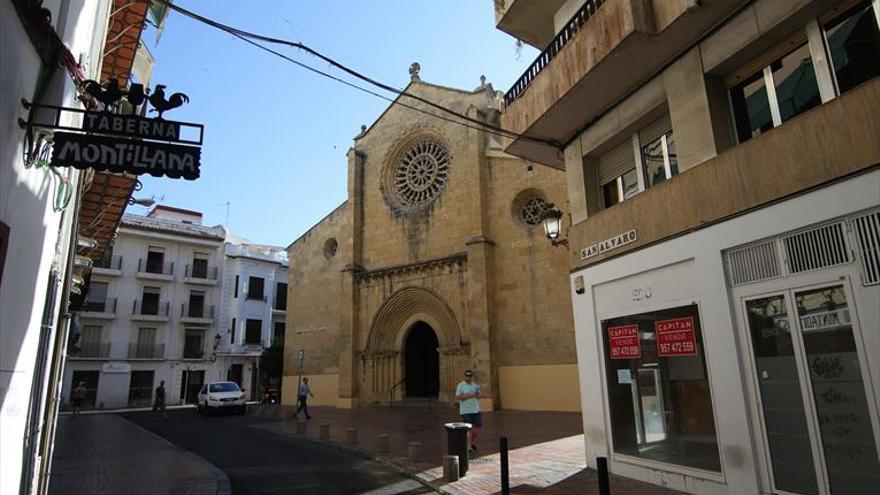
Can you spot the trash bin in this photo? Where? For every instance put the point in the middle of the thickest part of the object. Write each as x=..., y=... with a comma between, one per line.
x=457, y=444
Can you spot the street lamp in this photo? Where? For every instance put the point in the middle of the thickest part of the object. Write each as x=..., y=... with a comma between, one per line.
x=217, y=339
x=552, y=220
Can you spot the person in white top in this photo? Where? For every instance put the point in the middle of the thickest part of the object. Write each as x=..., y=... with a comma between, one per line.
x=302, y=395
x=467, y=393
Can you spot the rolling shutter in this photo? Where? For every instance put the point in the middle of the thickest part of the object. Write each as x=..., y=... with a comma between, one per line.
x=616, y=162
x=654, y=130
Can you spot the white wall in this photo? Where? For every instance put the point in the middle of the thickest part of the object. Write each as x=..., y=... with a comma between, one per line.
x=26, y=206
x=691, y=268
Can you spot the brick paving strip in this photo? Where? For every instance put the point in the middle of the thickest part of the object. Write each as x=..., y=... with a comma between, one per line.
x=99, y=454
x=546, y=448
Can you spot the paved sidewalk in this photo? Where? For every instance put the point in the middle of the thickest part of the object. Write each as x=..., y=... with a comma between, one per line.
x=100, y=454
x=546, y=448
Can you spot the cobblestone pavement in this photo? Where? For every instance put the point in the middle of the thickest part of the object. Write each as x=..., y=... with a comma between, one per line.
x=98, y=454
x=546, y=449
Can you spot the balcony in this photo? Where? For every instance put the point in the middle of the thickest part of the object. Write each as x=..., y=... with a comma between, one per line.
x=101, y=310
x=194, y=353
x=204, y=275
x=155, y=271
x=528, y=20
x=196, y=313
x=820, y=146
x=146, y=351
x=150, y=310
x=93, y=350
x=109, y=265
x=608, y=49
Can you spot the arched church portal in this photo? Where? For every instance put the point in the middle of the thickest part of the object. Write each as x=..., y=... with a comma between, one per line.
x=421, y=362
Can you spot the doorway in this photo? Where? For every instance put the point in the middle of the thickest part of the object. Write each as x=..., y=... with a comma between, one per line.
x=807, y=367
x=192, y=382
x=422, y=362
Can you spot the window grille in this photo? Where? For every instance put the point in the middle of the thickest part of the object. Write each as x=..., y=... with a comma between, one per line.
x=817, y=248
x=867, y=233
x=753, y=263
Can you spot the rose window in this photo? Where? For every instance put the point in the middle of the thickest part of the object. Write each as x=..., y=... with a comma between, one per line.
x=532, y=210
x=421, y=173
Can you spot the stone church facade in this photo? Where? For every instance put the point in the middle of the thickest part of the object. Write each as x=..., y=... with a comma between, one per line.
x=436, y=263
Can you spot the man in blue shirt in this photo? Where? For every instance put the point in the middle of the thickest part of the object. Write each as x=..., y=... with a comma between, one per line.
x=467, y=393
x=302, y=396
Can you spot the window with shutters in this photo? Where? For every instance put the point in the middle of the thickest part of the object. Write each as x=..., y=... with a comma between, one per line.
x=645, y=159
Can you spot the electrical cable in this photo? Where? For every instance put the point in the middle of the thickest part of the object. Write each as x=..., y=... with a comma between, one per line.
x=249, y=37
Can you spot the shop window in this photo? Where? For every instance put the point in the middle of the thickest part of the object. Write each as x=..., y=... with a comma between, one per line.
x=659, y=400
x=853, y=40
x=90, y=377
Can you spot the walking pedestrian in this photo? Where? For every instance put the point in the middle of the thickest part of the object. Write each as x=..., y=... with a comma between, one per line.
x=302, y=397
x=159, y=402
x=77, y=396
x=467, y=393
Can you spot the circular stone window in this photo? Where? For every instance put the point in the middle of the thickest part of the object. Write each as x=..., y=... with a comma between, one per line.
x=331, y=247
x=419, y=174
x=528, y=206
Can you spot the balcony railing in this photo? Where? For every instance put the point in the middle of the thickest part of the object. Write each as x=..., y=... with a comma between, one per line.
x=146, y=351
x=156, y=268
x=207, y=272
x=196, y=311
x=150, y=308
x=193, y=353
x=108, y=305
x=94, y=350
x=110, y=262
x=580, y=17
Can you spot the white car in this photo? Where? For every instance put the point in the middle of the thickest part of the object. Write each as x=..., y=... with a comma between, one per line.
x=216, y=396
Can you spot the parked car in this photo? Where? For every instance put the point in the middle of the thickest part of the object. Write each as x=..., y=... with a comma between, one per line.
x=215, y=396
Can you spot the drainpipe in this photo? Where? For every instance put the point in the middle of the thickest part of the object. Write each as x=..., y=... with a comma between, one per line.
x=53, y=394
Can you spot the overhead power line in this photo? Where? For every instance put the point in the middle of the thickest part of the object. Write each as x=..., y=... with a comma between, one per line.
x=250, y=38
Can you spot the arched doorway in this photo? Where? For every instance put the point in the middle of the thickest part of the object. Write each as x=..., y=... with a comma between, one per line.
x=422, y=362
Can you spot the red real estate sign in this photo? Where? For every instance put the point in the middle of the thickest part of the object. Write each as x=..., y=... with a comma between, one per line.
x=624, y=342
x=676, y=337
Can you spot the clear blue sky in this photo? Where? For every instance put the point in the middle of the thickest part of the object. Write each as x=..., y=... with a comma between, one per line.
x=275, y=134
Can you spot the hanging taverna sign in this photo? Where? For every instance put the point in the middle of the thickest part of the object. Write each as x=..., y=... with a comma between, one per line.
x=118, y=138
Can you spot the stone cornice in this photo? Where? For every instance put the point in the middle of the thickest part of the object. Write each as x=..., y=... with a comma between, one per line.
x=453, y=262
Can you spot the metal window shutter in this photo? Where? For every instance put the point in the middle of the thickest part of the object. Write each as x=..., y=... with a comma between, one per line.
x=616, y=162
x=654, y=130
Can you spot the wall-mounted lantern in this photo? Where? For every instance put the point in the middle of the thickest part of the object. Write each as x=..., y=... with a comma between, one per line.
x=552, y=220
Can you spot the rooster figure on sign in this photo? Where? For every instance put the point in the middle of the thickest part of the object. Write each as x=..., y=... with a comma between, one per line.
x=160, y=104
x=109, y=94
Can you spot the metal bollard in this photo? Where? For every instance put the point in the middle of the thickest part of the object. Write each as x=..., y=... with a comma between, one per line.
x=351, y=436
x=602, y=470
x=415, y=451
x=324, y=432
x=450, y=468
x=505, y=475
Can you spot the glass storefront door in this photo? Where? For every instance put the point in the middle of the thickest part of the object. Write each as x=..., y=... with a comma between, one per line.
x=815, y=414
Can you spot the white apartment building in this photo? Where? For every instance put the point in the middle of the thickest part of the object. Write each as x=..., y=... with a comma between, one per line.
x=180, y=302
x=253, y=309
x=151, y=313
x=723, y=165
